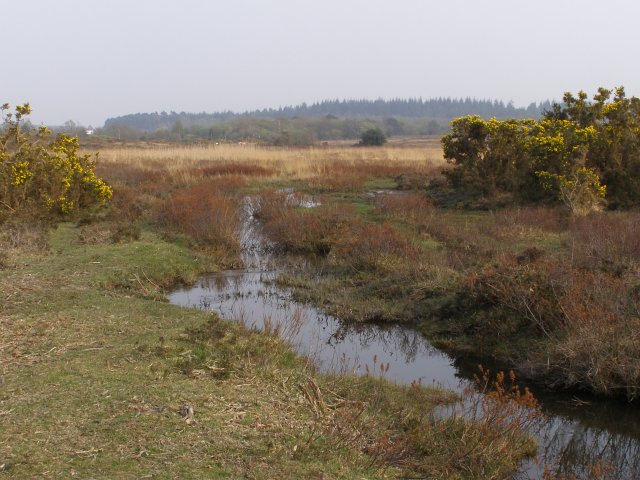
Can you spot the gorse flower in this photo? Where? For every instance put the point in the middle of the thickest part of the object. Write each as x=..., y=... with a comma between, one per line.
x=54, y=177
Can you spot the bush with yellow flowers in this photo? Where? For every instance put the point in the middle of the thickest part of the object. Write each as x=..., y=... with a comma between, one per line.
x=583, y=153
x=38, y=174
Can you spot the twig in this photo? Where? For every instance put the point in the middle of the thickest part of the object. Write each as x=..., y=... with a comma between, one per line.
x=7, y=205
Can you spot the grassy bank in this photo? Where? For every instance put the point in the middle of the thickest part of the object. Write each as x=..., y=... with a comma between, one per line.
x=101, y=378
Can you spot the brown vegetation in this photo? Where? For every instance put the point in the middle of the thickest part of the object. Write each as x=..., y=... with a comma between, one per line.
x=203, y=214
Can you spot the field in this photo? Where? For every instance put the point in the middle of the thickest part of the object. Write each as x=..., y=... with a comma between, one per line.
x=102, y=378
x=299, y=163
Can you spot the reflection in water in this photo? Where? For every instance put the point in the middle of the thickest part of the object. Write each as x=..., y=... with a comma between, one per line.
x=253, y=299
x=576, y=448
x=577, y=435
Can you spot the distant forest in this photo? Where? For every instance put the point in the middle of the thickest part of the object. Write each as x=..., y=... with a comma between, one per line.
x=305, y=124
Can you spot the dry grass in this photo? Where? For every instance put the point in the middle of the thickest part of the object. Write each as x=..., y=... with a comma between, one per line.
x=289, y=162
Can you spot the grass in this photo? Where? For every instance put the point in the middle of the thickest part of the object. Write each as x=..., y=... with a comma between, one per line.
x=101, y=378
x=325, y=169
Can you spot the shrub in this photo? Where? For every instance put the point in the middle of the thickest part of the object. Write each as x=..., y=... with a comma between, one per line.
x=204, y=215
x=126, y=233
x=51, y=178
x=374, y=137
x=371, y=247
x=578, y=152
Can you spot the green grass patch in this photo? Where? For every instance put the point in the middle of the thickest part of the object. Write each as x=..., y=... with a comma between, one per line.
x=381, y=183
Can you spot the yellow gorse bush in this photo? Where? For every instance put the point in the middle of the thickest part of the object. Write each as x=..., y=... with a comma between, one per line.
x=38, y=174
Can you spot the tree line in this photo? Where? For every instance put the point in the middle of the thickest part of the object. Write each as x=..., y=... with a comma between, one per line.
x=436, y=109
x=282, y=132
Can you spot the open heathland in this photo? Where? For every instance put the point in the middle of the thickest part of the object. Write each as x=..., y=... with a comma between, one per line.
x=102, y=378
x=553, y=295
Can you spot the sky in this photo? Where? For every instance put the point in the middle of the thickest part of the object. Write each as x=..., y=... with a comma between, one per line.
x=88, y=60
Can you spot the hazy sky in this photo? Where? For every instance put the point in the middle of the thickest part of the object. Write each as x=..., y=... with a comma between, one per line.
x=88, y=60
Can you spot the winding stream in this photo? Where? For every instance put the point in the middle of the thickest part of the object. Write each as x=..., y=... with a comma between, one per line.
x=579, y=432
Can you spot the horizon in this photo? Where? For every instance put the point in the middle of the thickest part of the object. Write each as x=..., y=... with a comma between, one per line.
x=283, y=107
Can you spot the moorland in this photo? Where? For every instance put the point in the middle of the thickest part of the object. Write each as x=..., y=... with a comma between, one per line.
x=529, y=263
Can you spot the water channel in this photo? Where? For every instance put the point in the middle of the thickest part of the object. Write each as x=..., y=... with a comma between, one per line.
x=577, y=433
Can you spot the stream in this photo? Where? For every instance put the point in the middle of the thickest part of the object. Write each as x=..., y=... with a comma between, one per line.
x=578, y=432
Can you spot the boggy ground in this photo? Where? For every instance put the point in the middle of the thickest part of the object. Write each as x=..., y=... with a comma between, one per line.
x=556, y=297
x=102, y=378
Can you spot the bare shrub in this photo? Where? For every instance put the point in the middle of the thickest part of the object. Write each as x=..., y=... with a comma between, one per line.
x=271, y=204
x=373, y=247
x=606, y=241
x=414, y=209
x=235, y=168
x=599, y=345
x=136, y=191
x=590, y=321
x=522, y=221
x=508, y=298
x=345, y=182
x=94, y=235
x=466, y=242
x=27, y=234
x=304, y=230
x=374, y=168
x=204, y=215
x=342, y=176
x=127, y=174
x=126, y=232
